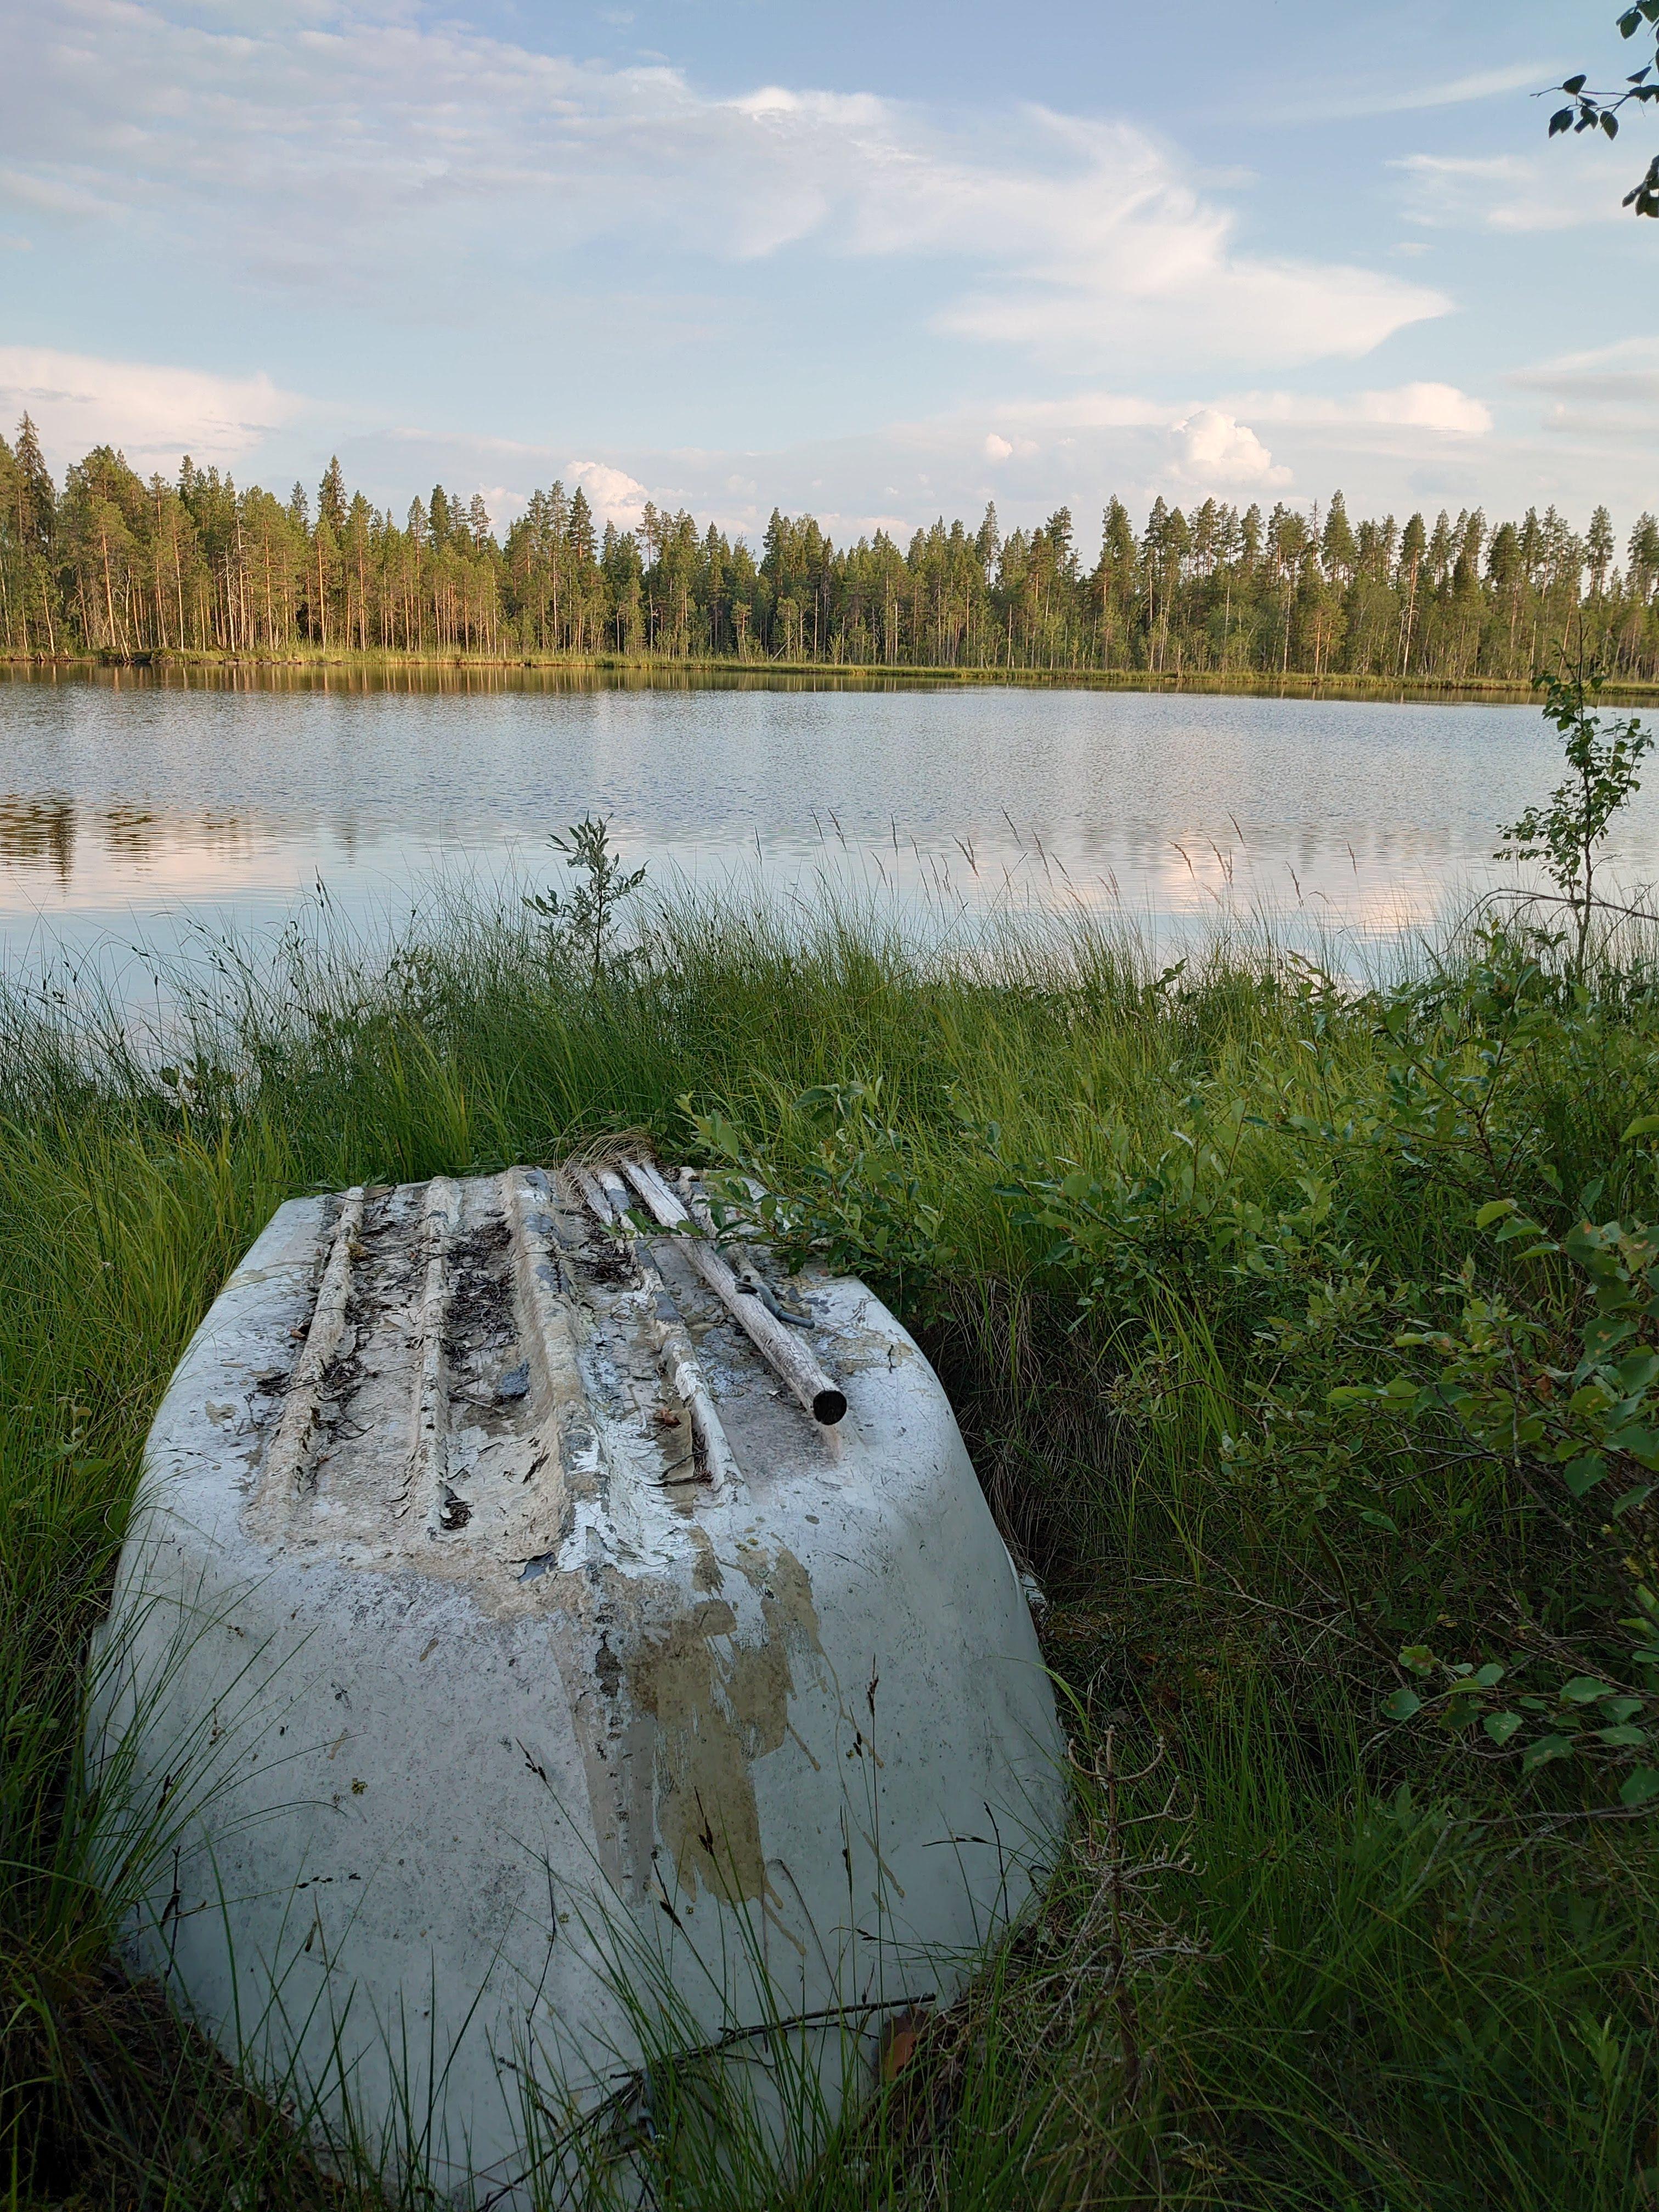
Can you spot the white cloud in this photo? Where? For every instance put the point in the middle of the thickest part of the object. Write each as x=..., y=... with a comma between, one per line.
x=1630, y=368
x=372, y=145
x=1096, y=410
x=1457, y=92
x=1556, y=190
x=1215, y=449
x=505, y=504
x=1607, y=395
x=1075, y=450
x=1405, y=100
x=1103, y=247
x=1436, y=407
x=1425, y=407
x=55, y=196
x=1411, y=446
x=613, y=494
x=153, y=413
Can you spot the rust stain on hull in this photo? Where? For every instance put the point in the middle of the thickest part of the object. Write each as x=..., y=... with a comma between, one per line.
x=718, y=1702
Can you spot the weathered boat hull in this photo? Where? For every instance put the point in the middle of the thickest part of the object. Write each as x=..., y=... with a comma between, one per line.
x=472, y=1687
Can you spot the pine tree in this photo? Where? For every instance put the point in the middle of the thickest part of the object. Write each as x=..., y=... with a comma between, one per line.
x=1642, y=555
x=331, y=498
x=1598, y=550
x=1337, y=549
x=987, y=539
x=37, y=505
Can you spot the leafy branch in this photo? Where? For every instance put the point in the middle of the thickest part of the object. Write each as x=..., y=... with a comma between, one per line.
x=1598, y=111
x=1603, y=757
x=584, y=921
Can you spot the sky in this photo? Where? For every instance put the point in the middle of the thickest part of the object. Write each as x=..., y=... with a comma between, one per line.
x=879, y=260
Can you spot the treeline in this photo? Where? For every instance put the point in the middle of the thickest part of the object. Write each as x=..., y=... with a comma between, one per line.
x=119, y=565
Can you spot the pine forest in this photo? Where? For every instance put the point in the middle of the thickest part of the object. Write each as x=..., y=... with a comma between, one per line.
x=119, y=567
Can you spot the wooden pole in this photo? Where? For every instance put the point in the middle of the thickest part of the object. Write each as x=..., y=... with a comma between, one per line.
x=607, y=1197
x=822, y=1396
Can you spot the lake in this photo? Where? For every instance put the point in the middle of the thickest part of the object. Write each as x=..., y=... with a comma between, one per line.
x=133, y=809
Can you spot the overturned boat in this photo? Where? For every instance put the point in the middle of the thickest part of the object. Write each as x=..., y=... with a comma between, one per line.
x=549, y=1638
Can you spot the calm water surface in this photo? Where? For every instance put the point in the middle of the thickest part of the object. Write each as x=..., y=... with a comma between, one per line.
x=132, y=810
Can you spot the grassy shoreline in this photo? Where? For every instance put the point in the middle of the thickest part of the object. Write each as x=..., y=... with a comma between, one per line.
x=654, y=672
x=1151, y=1228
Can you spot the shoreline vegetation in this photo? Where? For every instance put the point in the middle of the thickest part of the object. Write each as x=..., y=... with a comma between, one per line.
x=1306, y=1339
x=114, y=566
x=383, y=670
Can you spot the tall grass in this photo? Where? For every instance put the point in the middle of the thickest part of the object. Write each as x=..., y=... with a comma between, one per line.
x=1296, y=1955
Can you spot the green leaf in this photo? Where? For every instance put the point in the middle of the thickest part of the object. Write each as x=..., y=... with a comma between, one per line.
x=1419, y=1658
x=1496, y=1208
x=1582, y=1474
x=1644, y=1125
x=1546, y=1749
x=1402, y=1705
x=1637, y=1370
x=1585, y=1689
x=1623, y=1737
x=1638, y=1789
x=1632, y=1499
x=1489, y=1674
x=1500, y=1727
x=1373, y=1519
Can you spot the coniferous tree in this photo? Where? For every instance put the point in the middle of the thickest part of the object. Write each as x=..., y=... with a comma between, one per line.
x=331, y=498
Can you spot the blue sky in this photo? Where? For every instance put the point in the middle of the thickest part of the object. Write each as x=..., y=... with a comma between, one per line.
x=878, y=260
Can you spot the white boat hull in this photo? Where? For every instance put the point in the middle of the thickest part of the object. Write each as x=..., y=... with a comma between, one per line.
x=464, y=1685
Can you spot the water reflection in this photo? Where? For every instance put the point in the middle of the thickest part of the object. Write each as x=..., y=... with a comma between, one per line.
x=42, y=833
x=476, y=679
x=472, y=679
x=38, y=832
x=141, y=799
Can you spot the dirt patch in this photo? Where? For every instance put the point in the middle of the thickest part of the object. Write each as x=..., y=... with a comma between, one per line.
x=481, y=1327
x=608, y=1261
